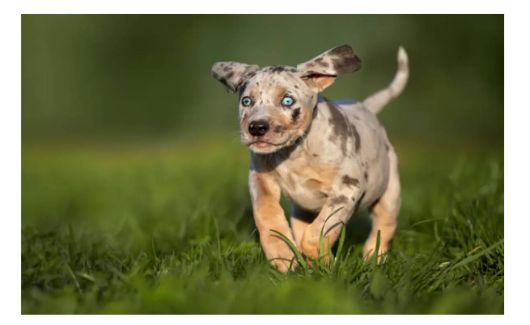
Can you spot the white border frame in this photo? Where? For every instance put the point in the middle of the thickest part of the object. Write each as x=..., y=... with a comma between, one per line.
x=517, y=160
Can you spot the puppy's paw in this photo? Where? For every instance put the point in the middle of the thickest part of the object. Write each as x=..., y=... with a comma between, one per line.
x=311, y=249
x=279, y=254
x=284, y=265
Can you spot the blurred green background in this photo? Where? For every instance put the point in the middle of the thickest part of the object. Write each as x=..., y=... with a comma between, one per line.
x=134, y=190
x=98, y=77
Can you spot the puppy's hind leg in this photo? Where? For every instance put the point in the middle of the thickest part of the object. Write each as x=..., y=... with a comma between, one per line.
x=385, y=212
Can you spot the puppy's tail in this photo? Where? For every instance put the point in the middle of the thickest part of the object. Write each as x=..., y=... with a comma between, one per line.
x=377, y=101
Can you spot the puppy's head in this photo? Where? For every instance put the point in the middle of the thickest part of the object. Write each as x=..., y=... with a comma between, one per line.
x=276, y=103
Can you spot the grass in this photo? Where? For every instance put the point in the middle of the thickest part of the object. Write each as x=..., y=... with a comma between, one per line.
x=168, y=229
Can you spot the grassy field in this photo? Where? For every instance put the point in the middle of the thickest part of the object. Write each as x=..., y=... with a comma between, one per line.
x=168, y=229
x=117, y=218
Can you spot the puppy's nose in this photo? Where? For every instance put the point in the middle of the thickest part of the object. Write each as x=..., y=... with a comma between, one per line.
x=258, y=128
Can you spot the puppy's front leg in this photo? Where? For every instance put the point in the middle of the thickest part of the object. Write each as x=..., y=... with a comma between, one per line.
x=269, y=215
x=329, y=222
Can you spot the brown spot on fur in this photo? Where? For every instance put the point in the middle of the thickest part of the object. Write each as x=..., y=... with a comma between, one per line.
x=296, y=114
x=279, y=129
x=280, y=68
x=251, y=74
x=321, y=62
x=357, y=138
x=276, y=68
x=366, y=176
x=242, y=88
x=343, y=50
x=346, y=65
x=339, y=200
x=347, y=180
x=344, y=60
x=340, y=126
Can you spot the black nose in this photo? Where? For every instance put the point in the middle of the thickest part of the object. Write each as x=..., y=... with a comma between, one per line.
x=258, y=128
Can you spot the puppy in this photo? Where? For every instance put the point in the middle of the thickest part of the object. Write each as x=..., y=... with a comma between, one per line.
x=329, y=158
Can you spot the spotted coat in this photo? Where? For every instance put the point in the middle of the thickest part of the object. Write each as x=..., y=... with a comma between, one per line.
x=330, y=158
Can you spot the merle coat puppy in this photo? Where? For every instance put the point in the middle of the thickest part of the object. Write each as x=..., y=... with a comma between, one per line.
x=329, y=158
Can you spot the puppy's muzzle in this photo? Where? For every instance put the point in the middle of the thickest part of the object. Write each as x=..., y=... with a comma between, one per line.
x=258, y=128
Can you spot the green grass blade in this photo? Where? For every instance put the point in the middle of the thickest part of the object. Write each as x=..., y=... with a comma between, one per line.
x=322, y=236
x=321, y=244
x=476, y=256
x=293, y=248
x=375, y=254
x=71, y=273
x=342, y=238
x=464, y=262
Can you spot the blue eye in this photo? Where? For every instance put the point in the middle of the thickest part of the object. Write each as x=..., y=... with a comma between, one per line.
x=287, y=101
x=246, y=101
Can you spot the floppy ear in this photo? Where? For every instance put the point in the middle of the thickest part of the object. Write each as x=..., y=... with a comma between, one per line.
x=320, y=72
x=233, y=74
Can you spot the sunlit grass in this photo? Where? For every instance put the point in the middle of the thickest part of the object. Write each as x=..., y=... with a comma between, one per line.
x=170, y=230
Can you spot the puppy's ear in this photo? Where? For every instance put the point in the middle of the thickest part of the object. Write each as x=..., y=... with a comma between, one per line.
x=321, y=71
x=233, y=74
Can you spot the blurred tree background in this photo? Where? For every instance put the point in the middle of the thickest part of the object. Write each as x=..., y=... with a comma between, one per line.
x=129, y=77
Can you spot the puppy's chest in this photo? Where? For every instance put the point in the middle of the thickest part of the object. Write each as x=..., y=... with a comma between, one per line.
x=308, y=184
